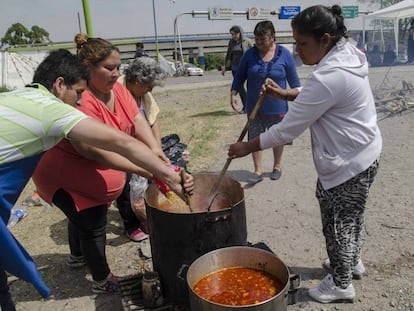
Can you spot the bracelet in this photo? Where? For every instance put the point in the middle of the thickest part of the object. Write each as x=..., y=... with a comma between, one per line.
x=287, y=95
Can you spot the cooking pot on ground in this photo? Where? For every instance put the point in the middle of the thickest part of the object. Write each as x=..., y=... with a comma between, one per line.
x=238, y=256
x=177, y=239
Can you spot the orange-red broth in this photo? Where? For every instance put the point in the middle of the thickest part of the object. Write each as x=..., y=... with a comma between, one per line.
x=238, y=286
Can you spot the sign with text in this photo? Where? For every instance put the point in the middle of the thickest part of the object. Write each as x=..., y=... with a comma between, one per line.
x=258, y=13
x=287, y=12
x=350, y=11
x=220, y=13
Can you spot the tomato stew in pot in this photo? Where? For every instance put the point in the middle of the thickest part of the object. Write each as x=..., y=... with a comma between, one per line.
x=238, y=286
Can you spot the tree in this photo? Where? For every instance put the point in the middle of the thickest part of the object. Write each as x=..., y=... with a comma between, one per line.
x=39, y=35
x=17, y=34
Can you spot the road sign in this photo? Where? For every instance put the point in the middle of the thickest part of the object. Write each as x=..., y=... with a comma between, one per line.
x=350, y=11
x=220, y=13
x=258, y=13
x=287, y=12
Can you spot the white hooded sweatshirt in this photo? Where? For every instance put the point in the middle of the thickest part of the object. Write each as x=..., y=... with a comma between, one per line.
x=337, y=105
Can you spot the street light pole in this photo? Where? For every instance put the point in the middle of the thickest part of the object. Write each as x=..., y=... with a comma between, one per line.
x=88, y=21
x=155, y=31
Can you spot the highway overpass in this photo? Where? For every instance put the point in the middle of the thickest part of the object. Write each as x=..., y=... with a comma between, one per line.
x=195, y=44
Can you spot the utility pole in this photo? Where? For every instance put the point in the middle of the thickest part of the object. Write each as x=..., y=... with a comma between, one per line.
x=155, y=31
x=88, y=20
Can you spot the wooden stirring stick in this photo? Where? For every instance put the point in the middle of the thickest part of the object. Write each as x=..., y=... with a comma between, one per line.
x=242, y=134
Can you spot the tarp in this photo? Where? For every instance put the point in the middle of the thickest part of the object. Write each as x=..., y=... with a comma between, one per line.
x=165, y=65
x=17, y=69
x=400, y=10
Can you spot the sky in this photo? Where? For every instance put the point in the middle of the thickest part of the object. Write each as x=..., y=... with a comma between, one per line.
x=63, y=19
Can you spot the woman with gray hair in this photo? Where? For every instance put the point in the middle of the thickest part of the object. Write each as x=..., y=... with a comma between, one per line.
x=141, y=76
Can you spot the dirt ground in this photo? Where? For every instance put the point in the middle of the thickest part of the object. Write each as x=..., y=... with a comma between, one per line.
x=283, y=214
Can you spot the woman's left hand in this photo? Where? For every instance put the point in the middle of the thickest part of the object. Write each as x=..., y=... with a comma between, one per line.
x=188, y=183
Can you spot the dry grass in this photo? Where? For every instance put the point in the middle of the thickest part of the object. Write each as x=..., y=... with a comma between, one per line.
x=203, y=119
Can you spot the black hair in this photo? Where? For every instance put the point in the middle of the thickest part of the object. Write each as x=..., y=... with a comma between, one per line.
x=139, y=45
x=235, y=29
x=264, y=28
x=60, y=63
x=317, y=20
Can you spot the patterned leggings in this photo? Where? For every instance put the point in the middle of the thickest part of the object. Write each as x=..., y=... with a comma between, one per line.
x=342, y=213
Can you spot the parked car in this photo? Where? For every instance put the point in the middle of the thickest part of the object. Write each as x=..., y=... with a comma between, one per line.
x=193, y=70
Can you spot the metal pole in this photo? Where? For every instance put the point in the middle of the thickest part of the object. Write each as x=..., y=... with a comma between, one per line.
x=156, y=34
x=175, y=42
x=180, y=46
x=177, y=35
x=4, y=68
x=79, y=23
x=88, y=20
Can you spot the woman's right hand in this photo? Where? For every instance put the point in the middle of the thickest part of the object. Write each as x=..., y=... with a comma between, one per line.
x=273, y=89
x=233, y=101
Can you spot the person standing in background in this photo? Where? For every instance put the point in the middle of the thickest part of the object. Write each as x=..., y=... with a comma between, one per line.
x=139, y=46
x=389, y=57
x=237, y=46
x=410, y=43
x=266, y=60
x=346, y=140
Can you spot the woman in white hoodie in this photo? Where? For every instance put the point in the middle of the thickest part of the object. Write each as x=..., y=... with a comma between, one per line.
x=337, y=105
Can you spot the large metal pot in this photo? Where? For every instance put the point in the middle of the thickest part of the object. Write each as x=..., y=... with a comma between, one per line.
x=238, y=256
x=177, y=239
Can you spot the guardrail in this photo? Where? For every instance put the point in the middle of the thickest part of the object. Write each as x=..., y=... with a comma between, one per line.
x=210, y=43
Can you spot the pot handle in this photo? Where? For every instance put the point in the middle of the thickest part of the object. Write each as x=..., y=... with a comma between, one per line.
x=182, y=272
x=294, y=285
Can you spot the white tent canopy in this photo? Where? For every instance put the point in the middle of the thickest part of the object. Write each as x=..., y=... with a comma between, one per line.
x=400, y=10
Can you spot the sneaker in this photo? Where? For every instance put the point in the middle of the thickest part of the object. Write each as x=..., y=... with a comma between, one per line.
x=276, y=173
x=75, y=261
x=137, y=235
x=328, y=292
x=107, y=286
x=359, y=269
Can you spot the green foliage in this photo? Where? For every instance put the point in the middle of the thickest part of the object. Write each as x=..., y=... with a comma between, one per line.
x=3, y=89
x=39, y=35
x=214, y=61
x=17, y=34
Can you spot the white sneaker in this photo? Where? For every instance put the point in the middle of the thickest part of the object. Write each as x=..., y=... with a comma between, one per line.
x=359, y=269
x=328, y=292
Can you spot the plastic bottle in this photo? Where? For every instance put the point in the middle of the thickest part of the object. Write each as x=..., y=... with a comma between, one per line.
x=17, y=215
